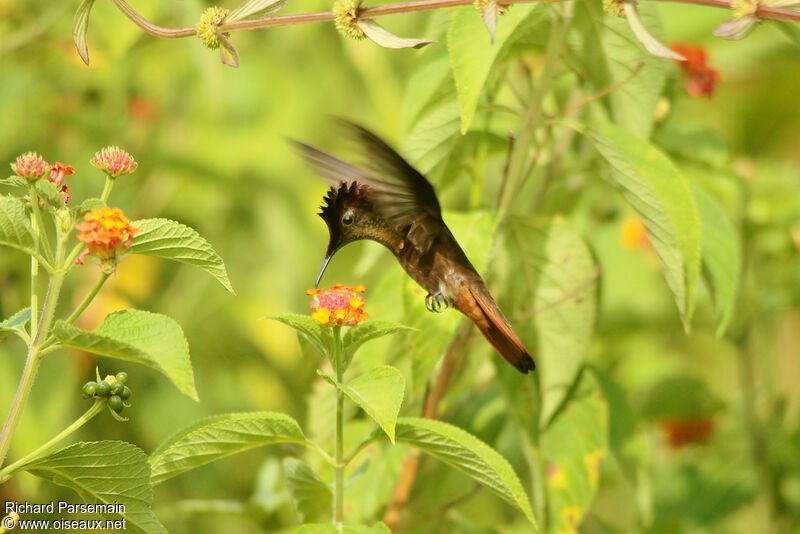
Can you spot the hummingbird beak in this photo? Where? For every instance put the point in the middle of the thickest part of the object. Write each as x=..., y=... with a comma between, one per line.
x=322, y=269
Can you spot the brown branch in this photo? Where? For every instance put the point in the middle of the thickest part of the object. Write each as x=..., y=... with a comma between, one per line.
x=764, y=12
x=402, y=491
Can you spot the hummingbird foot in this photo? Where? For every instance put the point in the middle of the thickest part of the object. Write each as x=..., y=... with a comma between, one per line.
x=436, y=302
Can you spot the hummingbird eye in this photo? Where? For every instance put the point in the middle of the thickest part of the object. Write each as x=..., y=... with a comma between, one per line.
x=347, y=219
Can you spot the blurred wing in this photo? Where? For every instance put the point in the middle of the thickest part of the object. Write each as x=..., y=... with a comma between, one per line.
x=401, y=194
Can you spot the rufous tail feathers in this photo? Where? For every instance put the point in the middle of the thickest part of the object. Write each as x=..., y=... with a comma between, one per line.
x=494, y=326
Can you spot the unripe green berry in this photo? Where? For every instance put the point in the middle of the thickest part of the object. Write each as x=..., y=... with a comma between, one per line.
x=89, y=389
x=115, y=403
x=117, y=387
x=126, y=393
x=122, y=376
x=102, y=389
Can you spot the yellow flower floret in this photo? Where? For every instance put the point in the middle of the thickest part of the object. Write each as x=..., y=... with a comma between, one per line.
x=338, y=305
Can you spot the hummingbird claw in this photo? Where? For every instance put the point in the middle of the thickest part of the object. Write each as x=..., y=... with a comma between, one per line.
x=436, y=302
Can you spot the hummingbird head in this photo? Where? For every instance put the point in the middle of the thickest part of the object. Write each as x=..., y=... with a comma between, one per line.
x=347, y=210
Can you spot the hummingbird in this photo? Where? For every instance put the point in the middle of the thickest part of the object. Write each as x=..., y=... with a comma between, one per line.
x=390, y=202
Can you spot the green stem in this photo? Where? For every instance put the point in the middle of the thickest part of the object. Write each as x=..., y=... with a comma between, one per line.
x=338, y=488
x=95, y=409
x=34, y=267
x=107, y=188
x=88, y=299
x=516, y=168
x=31, y=364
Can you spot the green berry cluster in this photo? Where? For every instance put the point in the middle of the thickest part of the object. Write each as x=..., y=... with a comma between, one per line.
x=112, y=388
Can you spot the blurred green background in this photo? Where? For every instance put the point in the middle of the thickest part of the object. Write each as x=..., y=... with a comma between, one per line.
x=212, y=152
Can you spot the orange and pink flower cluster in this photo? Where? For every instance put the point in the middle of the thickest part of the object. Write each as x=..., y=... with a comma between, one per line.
x=106, y=232
x=338, y=305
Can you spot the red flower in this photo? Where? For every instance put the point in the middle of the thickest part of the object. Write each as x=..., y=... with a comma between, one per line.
x=57, y=173
x=701, y=78
x=680, y=432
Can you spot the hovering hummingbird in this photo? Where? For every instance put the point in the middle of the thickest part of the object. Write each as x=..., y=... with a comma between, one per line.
x=390, y=202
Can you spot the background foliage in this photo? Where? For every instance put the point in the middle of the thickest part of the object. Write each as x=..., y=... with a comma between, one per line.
x=212, y=154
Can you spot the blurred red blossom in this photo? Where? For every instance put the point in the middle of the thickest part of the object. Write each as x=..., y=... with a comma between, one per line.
x=701, y=78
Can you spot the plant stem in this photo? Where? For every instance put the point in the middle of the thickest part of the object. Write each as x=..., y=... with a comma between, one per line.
x=34, y=269
x=95, y=409
x=107, y=188
x=88, y=299
x=338, y=436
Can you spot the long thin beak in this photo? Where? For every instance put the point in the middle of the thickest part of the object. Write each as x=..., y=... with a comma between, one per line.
x=322, y=269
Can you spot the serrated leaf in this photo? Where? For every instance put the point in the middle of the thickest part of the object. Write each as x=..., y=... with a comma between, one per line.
x=312, y=498
x=15, y=226
x=80, y=24
x=328, y=528
x=319, y=336
x=661, y=196
x=640, y=31
x=48, y=191
x=16, y=323
x=383, y=37
x=721, y=256
x=553, y=281
x=573, y=447
x=105, y=472
x=218, y=436
x=473, y=56
x=379, y=392
x=251, y=8
x=174, y=241
x=86, y=206
x=360, y=334
x=468, y=454
x=14, y=181
x=143, y=337
x=433, y=137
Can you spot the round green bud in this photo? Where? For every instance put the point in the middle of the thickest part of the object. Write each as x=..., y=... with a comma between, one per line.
x=102, y=389
x=89, y=389
x=122, y=376
x=117, y=387
x=126, y=393
x=115, y=403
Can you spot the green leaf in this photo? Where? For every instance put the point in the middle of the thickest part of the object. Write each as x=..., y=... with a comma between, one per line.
x=15, y=226
x=14, y=181
x=105, y=472
x=143, y=337
x=16, y=324
x=311, y=497
x=434, y=136
x=251, y=8
x=319, y=336
x=552, y=281
x=379, y=392
x=680, y=397
x=573, y=446
x=80, y=24
x=468, y=454
x=360, y=334
x=327, y=528
x=661, y=196
x=721, y=256
x=174, y=241
x=229, y=56
x=381, y=36
x=48, y=192
x=473, y=56
x=218, y=436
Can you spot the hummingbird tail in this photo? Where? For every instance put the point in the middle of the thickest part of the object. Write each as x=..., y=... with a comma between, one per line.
x=494, y=326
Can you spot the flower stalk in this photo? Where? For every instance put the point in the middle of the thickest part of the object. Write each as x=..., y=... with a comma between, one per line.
x=338, y=487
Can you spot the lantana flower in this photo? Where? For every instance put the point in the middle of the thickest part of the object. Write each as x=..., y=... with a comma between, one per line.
x=633, y=234
x=338, y=305
x=114, y=161
x=680, y=432
x=31, y=166
x=106, y=232
x=701, y=78
x=58, y=171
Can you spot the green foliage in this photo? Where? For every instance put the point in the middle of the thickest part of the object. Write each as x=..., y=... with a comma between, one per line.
x=311, y=497
x=15, y=226
x=317, y=335
x=379, y=392
x=148, y=338
x=80, y=26
x=16, y=323
x=105, y=472
x=378, y=528
x=466, y=453
x=174, y=241
x=218, y=436
x=661, y=196
x=354, y=338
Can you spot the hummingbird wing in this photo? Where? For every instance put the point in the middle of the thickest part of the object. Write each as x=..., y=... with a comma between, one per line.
x=401, y=194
